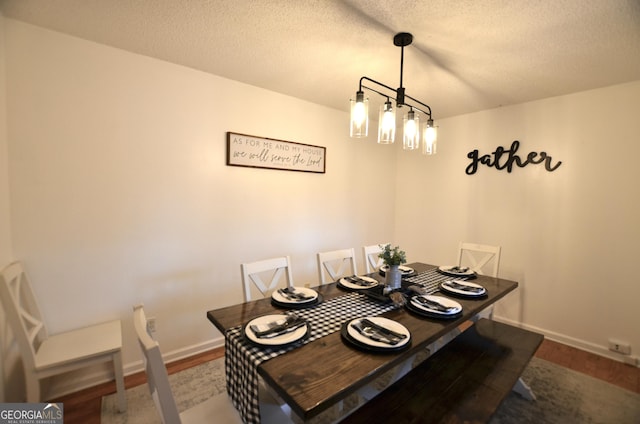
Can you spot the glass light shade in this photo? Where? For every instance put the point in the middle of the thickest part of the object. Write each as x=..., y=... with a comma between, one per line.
x=411, y=139
x=430, y=138
x=359, y=116
x=386, y=124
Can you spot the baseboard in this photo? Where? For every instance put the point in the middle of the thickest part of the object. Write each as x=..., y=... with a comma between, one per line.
x=573, y=342
x=90, y=377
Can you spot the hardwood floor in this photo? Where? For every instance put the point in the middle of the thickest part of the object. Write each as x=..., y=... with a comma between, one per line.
x=614, y=372
x=84, y=407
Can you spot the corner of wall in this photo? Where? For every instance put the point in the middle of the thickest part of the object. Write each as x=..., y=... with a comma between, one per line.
x=7, y=364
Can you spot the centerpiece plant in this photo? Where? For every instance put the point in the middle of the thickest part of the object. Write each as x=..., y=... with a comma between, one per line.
x=392, y=256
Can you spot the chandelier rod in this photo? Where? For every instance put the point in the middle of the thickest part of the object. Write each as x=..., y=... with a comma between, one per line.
x=426, y=110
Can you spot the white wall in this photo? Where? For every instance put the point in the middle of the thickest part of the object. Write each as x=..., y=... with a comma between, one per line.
x=569, y=237
x=5, y=227
x=120, y=193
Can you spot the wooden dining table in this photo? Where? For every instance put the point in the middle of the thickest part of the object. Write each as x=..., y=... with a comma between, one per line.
x=318, y=375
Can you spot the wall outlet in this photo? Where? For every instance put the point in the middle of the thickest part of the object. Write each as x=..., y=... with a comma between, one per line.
x=151, y=325
x=619, y=347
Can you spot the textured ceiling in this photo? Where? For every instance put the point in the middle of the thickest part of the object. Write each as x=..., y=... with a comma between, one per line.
x=467, y=55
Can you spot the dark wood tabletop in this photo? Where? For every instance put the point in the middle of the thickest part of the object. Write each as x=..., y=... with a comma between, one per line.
x=319, y=374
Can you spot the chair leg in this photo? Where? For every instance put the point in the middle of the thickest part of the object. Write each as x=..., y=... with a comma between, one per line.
x=119, y=376
x=524, y=390
x=33, y=388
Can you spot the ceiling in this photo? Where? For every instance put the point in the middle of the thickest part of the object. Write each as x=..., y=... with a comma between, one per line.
x=467, y=55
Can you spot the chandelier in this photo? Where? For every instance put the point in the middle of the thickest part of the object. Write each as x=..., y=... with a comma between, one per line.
x=412, y=132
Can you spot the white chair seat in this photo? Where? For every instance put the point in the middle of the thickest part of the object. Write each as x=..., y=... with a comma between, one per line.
x=79, y=345
x=217, y=409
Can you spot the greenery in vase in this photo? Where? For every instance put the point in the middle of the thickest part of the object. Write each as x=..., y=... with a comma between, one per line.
x=392, y=256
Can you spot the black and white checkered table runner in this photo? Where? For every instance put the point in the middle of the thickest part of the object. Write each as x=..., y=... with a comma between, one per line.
x=242, y=358
x=429, y=280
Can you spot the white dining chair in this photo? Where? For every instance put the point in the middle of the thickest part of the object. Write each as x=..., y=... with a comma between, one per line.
x=372, y=262
x=481, y=258
x=46, y=355
x=218, y=408
x=273, y=269
x=336, y=264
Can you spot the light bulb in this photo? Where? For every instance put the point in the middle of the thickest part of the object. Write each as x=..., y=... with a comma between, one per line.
x=411, y=131
x=359, y=116
x=386, y=124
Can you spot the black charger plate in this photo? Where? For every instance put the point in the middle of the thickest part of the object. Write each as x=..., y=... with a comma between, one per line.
x=422, y=312
x=344, y=332
x=297, y=305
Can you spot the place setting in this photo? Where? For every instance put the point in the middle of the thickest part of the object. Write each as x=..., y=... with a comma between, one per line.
x=295, y=297
x=457, y=271
x=376, y=334
x=276, y=330
x=463, y=288
x=357, y=282
x=433, y=306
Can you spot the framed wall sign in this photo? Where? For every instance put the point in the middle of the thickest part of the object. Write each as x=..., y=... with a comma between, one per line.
x=259, y=152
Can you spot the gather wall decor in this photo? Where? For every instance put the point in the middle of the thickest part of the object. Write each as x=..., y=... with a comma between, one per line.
x=259, y=152
x=503, y=158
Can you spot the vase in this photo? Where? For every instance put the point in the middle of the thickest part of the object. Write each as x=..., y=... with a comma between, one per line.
x=393, y=277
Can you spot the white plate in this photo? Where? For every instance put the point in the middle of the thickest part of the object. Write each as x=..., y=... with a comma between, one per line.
x=450, y=269
x=349, y=285
x=403, y=269
x=301, y=290
x=449, y=303
x=448, y=288
x=384, y=322
x=265, y=320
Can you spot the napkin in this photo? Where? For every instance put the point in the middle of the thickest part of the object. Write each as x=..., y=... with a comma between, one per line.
x=359, y=281
x=458, y=286
x=278, y=328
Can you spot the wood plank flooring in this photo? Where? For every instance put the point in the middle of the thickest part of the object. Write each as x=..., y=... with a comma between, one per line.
x=84, y=407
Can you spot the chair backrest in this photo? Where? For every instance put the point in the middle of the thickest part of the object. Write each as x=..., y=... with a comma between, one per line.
x=253, y=272
x=336, y=263
x=481, y=258
x=22, y=312
x=372, y=261
x=157, y=376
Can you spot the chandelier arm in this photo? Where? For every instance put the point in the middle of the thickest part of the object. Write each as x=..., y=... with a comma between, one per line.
x=422, y=108
x=376, y=91
x=419, y=102
x=377, y=83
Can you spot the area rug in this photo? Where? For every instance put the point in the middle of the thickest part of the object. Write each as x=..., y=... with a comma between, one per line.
x=563, y=396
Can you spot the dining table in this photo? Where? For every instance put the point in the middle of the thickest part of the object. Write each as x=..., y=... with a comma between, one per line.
x=324, y=371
